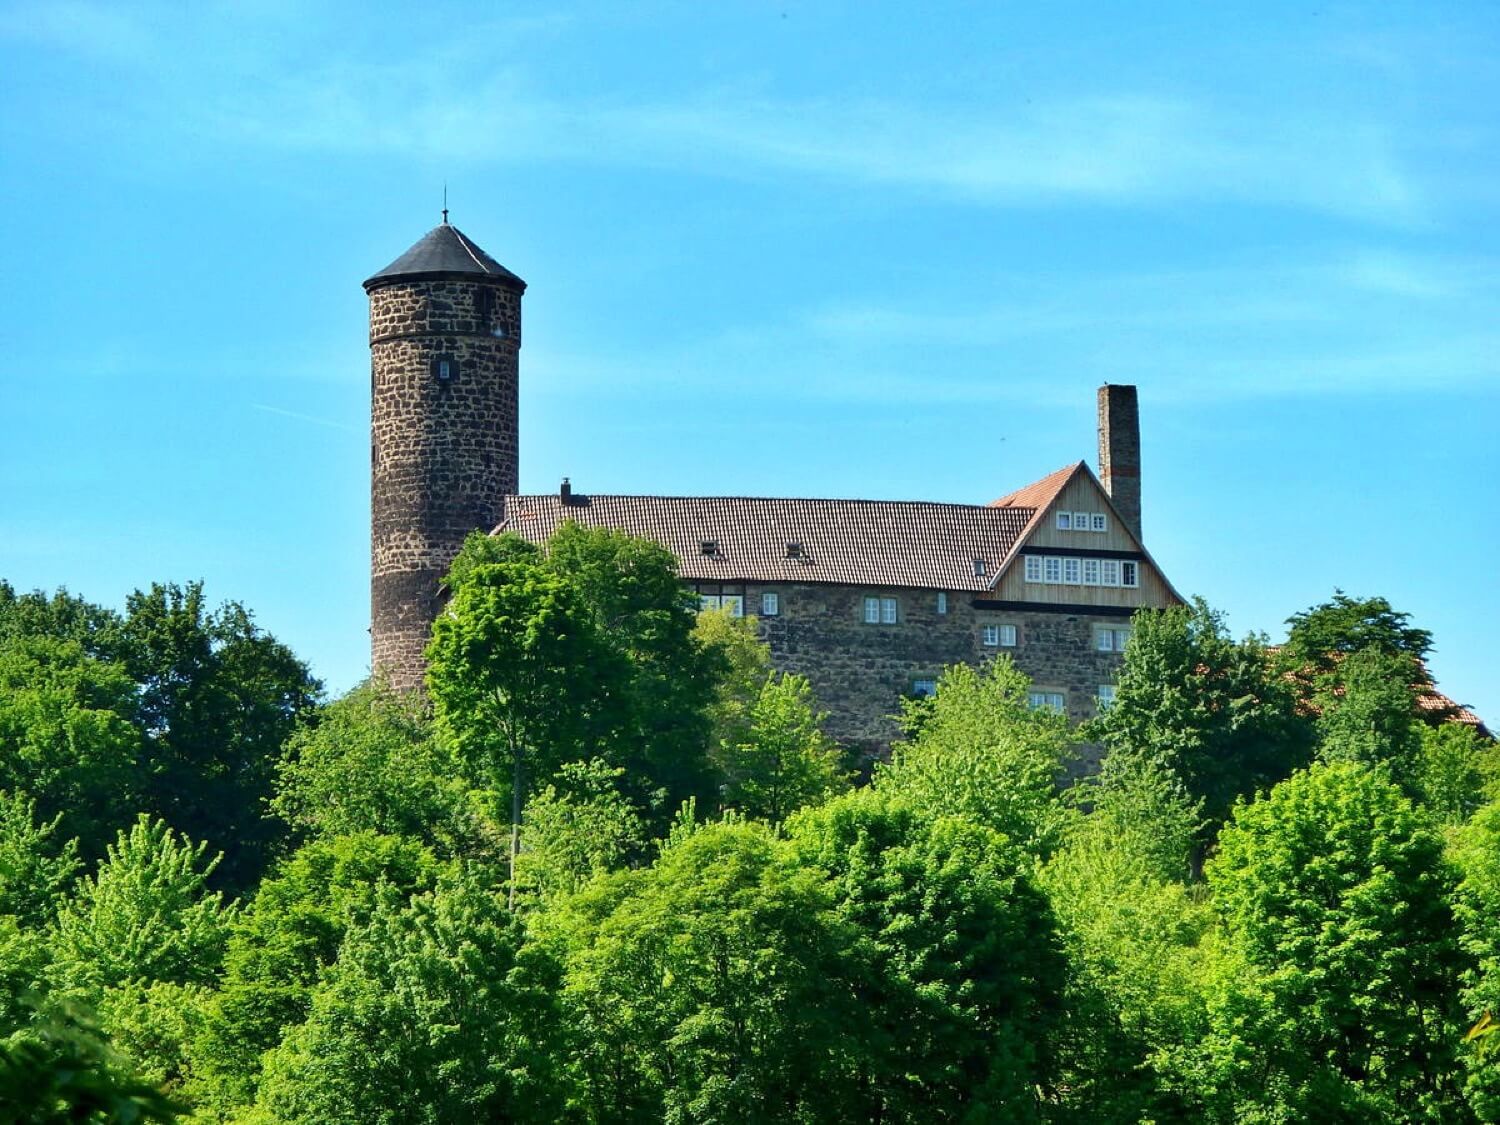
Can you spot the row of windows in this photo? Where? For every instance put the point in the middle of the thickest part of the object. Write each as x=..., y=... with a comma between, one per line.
x=770, y=604
x=1057, y=570
x=1103, y=696
x=1082, y=521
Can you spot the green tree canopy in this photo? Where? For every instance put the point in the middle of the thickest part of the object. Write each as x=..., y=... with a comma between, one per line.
x=36, y=867
x=784, y=760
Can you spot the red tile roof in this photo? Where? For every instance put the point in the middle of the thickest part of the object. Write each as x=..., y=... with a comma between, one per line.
x=877, y=543
x=1039, y=493
x=1435, y=700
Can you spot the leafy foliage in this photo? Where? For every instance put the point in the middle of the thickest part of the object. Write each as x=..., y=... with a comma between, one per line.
x=578, y=827
x=35, y=866
x=784, y=760
x=981, y=752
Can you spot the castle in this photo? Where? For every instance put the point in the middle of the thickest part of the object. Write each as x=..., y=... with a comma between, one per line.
x=869, y=599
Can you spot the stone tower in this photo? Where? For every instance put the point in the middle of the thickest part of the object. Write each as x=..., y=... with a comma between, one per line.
x=445, y=337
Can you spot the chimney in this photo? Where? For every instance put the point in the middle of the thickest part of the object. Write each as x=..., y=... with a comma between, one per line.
x=1120, y=451
x=565, y=493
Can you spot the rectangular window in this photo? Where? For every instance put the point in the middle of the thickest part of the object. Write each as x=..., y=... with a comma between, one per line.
x=1007, y=636
x=734, y=603
x=1111, y=640
x=872, y=611
x=1033, y=568
x=1052, y=568
x=942, y=602
x=1105, y=695
x=1109, y=572
x=770, y=605
x=708, y=601
x=924, y=688
x=1071, y=571
x=1080, y=521
x=1064, y=521
x=887, y=611
x=991, y=636
x=1130, y=574
x=1040, y=699
x=1091, y=572
x=1100, y=522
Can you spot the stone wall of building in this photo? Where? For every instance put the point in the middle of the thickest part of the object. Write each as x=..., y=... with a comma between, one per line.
x=860, y=671
x=444, y=446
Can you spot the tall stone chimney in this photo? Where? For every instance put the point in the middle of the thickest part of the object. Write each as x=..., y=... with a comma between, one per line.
x=1120, y=451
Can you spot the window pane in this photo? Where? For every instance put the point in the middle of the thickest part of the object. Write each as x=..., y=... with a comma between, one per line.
x=888, y=611
x=1128, y=574
x=1109, y=573
x=770, y=605
x=992, y=635
x=1091, y=572
x=872, y=611
x=1070, y=571
x=1052, y=568
x=924, y=687
x=708, y=601
x=1033, y=568
x=1064, y=521
x=1008, y=636
x=1101, y=521
x=1080, y=521
x=942, y=603
x=735, y=604
x=1104, y=640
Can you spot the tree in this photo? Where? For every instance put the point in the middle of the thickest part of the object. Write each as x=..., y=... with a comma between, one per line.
x=1211, y=711
x=520, y=677
x=1335, y=895
x=959, y=975
x=1454, y=772
x=981, y=752
x=35, y=866
x=746, y=664
x=218, y=698
x=1321, y=635
x=707, y=987
x=145, y=914
x=281, y=944
x=1367, y=712
x=69, y=738
x=578, y=827
x=785, y=760
x=435, y=1011
x=1476, y=906
x=371, y=762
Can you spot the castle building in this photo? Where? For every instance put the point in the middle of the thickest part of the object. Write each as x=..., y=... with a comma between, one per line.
x=869, y=599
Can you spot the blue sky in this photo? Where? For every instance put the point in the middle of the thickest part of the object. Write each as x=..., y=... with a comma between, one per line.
x=878, y=250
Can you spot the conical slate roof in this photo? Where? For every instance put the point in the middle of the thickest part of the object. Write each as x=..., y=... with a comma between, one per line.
x=444, y=251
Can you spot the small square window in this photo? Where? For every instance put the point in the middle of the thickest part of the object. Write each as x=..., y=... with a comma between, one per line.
x=1080, y=521
x=1111, y=640
x=770, y=605
x=1100, y=522
x=1064, y=521
x=924, y=688
x=1047, y=699
x=978, y=568
x=1033, y=568
x=1129, y=574
x=872, y=611
x=887, y=611
x=942, y=602
x=1105, y=695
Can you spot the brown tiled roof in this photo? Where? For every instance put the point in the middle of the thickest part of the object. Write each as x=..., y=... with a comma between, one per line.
x=877, y=543
x=1040, y=493
x=1434, y=700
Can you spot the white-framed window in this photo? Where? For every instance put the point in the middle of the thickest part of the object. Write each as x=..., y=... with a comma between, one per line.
x=942, y=601
x=1081, y=521
x=1008, y=636
x=1130, y=574
x=1109, y=572
x=880, y=611
x=1052, y=569
x=1039, y=699
x=1033, y=568
x=734, y=603
x=1064, y=521
x=770, y=605
x=887, y=611
x=1072, y=571
x=1091, y=572
x=1105, y=695
x=991, y=636
x=1098, y=521
x=924, y=688
x=1108, y=639
x=872, y=611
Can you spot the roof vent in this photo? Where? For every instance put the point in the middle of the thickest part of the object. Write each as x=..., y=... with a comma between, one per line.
x=794, y=550
x=708, y=547
x=979, y=568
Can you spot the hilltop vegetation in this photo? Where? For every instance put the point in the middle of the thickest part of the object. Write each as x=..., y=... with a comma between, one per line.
x=612, y=870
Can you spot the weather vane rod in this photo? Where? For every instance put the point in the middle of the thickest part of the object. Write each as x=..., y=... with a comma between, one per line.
x=445, y=202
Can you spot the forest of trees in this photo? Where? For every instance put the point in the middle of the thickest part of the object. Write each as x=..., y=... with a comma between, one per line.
x=610, y=869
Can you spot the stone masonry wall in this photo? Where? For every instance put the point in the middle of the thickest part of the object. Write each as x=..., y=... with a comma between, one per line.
x=443, y=451
x=859, y=672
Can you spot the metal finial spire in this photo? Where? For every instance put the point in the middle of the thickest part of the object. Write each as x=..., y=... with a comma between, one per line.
x=445, y=203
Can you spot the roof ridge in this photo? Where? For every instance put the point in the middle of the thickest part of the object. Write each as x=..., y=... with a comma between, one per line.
x=777, y=499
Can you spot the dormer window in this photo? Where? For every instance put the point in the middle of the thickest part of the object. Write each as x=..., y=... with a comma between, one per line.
x=794, y=550
x=709, y=547
x=979, y=568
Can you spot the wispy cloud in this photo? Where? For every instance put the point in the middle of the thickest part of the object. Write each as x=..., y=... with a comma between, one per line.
x=299, y=416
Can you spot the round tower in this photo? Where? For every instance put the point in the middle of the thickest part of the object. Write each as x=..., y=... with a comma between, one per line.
x=445, y=337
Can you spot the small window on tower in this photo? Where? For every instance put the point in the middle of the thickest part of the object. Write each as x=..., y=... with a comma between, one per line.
x=445, y=369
